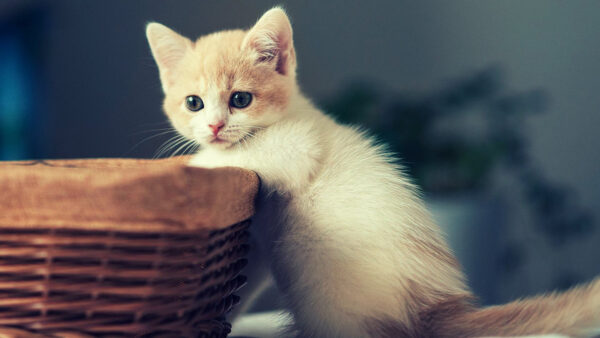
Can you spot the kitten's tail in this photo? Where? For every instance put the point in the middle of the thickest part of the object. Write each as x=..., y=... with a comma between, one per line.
x=575, y=313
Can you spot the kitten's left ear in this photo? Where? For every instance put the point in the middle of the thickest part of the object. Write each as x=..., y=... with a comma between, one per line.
x=271, y=40
x=168, y=48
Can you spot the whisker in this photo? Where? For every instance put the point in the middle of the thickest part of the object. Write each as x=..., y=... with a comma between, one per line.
x=170, y=129
x=168, y=145
x=163, y=153
x=181, y=147
x=165, y=143
x=187, y=148
x=191, y=148
x=147, y=139
x=155, y=124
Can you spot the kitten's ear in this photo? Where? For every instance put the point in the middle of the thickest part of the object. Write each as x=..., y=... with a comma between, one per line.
x=271, y=40
x=168, y=48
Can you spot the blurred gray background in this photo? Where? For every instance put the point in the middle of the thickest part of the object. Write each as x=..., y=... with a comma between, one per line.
x=77, y=80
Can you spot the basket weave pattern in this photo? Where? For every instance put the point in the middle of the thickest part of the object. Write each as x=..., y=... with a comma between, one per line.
x=120, y=284
x=121, y=248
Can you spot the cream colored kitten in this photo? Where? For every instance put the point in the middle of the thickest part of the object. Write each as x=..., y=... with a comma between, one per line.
x=353, y=248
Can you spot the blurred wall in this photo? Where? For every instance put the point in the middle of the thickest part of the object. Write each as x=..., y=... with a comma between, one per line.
x=103, y=92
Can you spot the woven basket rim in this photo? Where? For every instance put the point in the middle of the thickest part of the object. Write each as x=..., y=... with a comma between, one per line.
x=133, y=195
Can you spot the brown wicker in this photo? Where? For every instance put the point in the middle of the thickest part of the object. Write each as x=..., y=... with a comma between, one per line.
x=145, y=275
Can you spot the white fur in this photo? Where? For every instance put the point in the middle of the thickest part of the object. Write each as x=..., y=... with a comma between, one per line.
x=339, y=249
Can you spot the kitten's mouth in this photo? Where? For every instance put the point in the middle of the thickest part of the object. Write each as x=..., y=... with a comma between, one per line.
x=218, y=140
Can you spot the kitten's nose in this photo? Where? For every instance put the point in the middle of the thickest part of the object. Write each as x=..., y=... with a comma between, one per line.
x=216, y=127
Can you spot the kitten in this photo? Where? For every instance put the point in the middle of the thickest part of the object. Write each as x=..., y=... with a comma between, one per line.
x=353, y=248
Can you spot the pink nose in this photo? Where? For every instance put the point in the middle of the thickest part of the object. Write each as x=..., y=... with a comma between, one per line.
x=216, y=127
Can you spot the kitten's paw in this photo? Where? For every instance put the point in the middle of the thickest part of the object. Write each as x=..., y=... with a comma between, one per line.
x=203, y=165
x=204, y=162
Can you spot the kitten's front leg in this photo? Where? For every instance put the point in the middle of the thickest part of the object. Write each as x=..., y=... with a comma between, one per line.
x=287, y=159
x=209, y=158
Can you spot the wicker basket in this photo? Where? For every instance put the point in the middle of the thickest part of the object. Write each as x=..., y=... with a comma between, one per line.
x=120, y=248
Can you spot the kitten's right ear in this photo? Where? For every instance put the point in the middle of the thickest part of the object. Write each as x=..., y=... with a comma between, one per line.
x=168, y=48
x=271, y=41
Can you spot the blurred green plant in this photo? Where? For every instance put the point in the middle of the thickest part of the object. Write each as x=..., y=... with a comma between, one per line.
x=452, y=139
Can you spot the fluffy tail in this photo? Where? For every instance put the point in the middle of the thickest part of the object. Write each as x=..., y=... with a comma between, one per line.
x=574, y=313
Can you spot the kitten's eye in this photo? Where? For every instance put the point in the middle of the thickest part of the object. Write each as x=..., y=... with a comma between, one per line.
x=240, y=99
x=194, y=103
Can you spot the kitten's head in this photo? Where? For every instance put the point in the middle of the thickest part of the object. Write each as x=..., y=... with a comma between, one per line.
x=228, y=84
